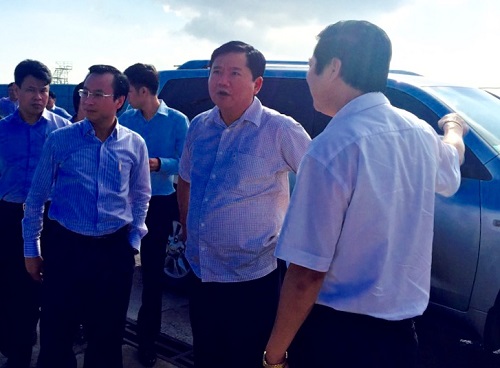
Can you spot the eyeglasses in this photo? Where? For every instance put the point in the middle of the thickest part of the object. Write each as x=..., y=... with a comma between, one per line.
x=96, y=95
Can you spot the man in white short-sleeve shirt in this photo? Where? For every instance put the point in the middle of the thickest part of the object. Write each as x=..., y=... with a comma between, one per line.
x=358, y=232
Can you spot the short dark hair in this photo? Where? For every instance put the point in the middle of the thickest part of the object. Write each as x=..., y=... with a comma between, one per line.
x=76, y=96
x=34, y=68
x=363, y=48
x=143, y=75
x=256, y=61
x=52, y=95
x=10, y=84
x=120, y=81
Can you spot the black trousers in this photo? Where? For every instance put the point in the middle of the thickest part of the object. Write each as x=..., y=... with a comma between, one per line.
x=329, y=338
x=19, y=294
x=162, y=211
x=231, y=322
x=85, y=279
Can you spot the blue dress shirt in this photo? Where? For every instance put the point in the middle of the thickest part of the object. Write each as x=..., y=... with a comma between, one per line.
x=165, y=135
x=7, y=107
x=99, y=187
x=61, y=112
x=239, y=190
x=20, y=149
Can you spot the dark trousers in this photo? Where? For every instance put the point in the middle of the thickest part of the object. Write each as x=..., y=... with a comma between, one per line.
x=231, y=322
x=86, y=279
x=19, y=294
x=329, y=338
x=161, y=212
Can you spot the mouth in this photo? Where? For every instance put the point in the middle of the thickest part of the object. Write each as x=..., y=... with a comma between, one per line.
x=223, y=93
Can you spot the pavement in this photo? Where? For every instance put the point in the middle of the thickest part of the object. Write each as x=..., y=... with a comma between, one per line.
x=174, y=344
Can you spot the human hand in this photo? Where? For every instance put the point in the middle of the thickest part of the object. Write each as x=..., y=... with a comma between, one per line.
x=453, y=120
x=154, y=164
x=34, y=267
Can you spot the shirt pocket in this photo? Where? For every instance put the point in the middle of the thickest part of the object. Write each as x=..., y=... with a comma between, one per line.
x=119, y=174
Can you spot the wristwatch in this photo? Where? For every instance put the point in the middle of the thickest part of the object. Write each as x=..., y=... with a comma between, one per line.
x=279, y=365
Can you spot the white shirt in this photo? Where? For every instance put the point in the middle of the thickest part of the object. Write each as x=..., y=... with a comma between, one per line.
x=363, y=208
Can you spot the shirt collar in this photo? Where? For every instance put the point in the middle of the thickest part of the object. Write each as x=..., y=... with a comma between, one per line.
x=88, y=128
x=44, y=117
x=252, y=114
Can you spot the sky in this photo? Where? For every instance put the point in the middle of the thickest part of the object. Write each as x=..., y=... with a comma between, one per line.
x=449, y=40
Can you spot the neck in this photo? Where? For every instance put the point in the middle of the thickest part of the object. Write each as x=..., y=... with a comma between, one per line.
x=29, y=118
x=150, y=108
x=103, y=129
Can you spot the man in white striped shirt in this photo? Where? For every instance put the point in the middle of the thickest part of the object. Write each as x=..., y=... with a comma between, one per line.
x=97, y=174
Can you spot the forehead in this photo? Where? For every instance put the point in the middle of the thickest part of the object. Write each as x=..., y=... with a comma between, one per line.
x=31, y=81
x=99, y=82
x=235, y=60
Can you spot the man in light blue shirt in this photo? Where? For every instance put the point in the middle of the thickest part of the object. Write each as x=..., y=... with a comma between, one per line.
x=10, y=103
x=234, y=191
x=97, y=174
x=51, y=106
x=164, y=130
x=22, y=135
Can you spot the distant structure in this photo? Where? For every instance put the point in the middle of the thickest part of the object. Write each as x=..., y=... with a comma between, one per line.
x=60, y=75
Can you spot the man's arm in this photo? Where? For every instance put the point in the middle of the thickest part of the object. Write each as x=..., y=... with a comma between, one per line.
x=298, y=295
x=34, y=206
x=183, y=190
x=139, y=194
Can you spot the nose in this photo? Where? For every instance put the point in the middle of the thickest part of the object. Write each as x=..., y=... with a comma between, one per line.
x=223, y=78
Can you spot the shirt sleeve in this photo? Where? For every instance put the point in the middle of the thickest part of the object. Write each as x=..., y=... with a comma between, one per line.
x=448, y=176
x=139, y=194
x=185, y=161
x=39, y=193
x=314, y=219
x=170, y=165
x=294, y=144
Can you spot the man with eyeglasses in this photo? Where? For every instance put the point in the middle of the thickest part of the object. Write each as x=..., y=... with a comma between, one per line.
x=97, y=173
x=22, y=135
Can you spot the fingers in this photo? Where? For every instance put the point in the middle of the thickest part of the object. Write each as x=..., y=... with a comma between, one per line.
x=455, y=119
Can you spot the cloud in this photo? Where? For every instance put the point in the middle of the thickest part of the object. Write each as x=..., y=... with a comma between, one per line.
x=253, y=21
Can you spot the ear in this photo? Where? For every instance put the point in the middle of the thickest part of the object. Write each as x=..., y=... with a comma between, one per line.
x=334, y=68
x=119, y=102
x=257, y=85
x=143, y=90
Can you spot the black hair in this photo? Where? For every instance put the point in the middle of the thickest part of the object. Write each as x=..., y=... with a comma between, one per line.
x=120, y=81
x=256, y=61
x=34, y=68
x=363, y=48
x=52, y=95
x=76, y=96
x=143, y=75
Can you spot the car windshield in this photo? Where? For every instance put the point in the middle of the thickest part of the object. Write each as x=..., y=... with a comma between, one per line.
x=479, y=108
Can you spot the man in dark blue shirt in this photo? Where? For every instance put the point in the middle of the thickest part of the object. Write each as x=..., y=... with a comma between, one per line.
x=22, y=135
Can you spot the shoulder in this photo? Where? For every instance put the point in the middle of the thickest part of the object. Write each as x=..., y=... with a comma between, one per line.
x=274, y=120
x=127, y=117
x=171, y=112
x=126, y=132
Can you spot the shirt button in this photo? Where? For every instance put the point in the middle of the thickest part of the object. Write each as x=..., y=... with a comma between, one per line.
x=213, y=176
x=202, y=224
